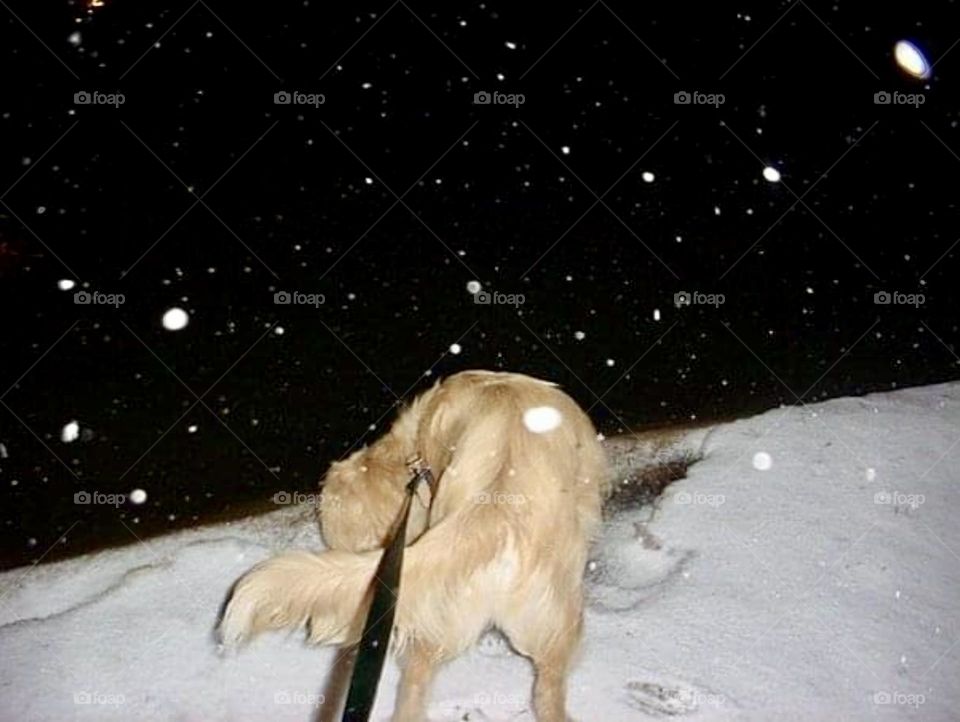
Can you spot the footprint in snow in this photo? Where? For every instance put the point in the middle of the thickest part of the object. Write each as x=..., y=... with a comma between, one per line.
x=632, y=565
x=670, y=699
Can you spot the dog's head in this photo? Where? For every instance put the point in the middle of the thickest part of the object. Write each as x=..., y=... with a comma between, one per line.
x=362, y=498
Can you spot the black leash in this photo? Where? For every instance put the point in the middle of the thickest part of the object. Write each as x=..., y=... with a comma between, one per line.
x=372, y=649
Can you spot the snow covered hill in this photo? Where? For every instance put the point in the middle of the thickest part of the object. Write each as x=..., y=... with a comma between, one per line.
x=806, y=568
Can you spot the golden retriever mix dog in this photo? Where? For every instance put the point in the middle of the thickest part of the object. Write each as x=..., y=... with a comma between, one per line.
x=521, y=478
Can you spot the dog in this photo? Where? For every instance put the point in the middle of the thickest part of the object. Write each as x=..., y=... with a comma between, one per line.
x=521, y=480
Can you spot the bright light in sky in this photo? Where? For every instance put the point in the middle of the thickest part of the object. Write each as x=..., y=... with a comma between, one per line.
x=911, y=59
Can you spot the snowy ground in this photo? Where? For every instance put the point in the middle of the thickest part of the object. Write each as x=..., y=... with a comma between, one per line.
x=826, y=586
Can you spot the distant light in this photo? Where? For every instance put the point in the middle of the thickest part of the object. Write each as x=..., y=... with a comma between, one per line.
x=455, y=348
x=175, y=319
x=541, y=419
x=771, y=174
x=138, y=496
x=762, y=461
x=911, y=59
x=65, y=284
x=70, y=432
x=473, y=287
x=648, y=176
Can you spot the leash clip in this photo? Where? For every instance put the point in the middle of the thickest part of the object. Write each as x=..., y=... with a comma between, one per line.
x=421, y=473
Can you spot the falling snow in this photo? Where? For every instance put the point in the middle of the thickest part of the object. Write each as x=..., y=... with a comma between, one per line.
x=762, y=461
x=175, y=319
x=541, y=419
x=70, y=432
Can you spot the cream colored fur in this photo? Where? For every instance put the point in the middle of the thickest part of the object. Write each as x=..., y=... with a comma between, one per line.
x=505, y=544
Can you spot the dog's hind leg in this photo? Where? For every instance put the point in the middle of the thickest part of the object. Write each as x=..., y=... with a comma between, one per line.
x=420, y=664
x=552, y=666
x=552, y=657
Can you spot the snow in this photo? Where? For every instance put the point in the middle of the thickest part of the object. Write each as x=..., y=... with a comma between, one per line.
x=807, y=591
x=65, y=284
x=138, y=496
x=175, y=319
x=473, y=287
x=541, y=419
x=70, y=432
x=762, y=461
x=771, y=174
x=648, y=177
x=455, y=348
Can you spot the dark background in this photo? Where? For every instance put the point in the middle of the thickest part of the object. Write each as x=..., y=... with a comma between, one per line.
x=108, y=197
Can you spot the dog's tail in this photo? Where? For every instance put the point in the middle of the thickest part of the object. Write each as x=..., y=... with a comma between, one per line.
x=329, y=590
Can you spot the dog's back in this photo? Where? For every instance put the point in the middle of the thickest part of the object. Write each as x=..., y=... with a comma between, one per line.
x=505, y=544
x=515, y=509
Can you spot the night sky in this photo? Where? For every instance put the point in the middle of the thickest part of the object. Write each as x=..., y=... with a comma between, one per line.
x=783, y=198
